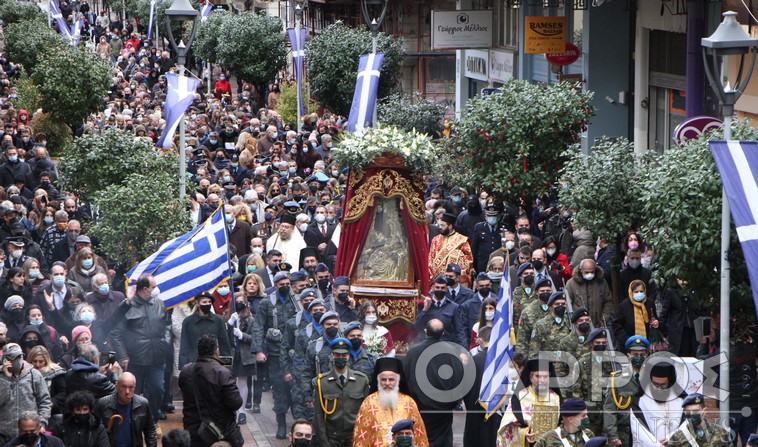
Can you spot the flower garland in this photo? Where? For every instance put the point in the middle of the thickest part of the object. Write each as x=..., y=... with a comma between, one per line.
x=356, y=150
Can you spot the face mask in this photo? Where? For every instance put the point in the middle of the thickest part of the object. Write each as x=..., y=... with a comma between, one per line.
x=36, y=323
x=17, y=314
x=59, y=280
x=341, y=362
x=335, y=174
x=599, y=348
x=544, y=296
x=275, y=135
x=33, y=273
x=87, y=263
x=251, y=268
x=267, y=216
x=439, y=294
x=484, y=291
x=637, y=361
x=317, y=316
x=634, y=263
x=456, y=199
x=492, y=220
x=16, y=254
x=528, y=280
x=695, y=419
x=229, y=218
x=550, y=252
x=509, y=245
x=489, y=316
x=301, y=442
x=495, y=276
x=223, y=291
x=81, y=418
x=320, y=218
x=371, y=319
x=213, y=141
x=357, y=343
x=639, y=297
x=48, y=220
x=404, y=441
x=331, y=332
x=303, y=227
x=584, y=327
x=483, y=203
x=313, y=189
x=283, y=290
x=13, y=159
x=87, y=317
x=206, y=308
x=29, y=439
x=103, y=289
x=560, y=311
x=155, y=292
x=633, y=244
x=537, y=264
x=240, y=305
x=588, y=276
x=584, y=424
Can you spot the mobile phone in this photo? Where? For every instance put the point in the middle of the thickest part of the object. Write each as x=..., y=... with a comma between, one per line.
x=111, y=357
x=226, y=360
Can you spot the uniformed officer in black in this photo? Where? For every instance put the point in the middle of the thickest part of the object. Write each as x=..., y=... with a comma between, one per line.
x=440, y=307
x=486, y=237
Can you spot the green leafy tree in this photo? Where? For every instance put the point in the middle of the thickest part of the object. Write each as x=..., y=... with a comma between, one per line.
x=332, y=58
x=139, y=214
x=207, y=37
x=411, y=113
x=72, y=83
x=287, y=104
x=603, y=187
x=58, y=133
x=15, y=12
x=24, y=41
x=513, y=141
x=251, y=46
x=28, y=94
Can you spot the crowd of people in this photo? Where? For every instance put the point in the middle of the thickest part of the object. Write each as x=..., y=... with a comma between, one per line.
x=86, y=363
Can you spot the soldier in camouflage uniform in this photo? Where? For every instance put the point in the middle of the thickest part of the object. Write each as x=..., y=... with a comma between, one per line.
x=295, y=324
x=360, y=359
x=625, y=385
x=268, y=333
x=522, y=295
x=312, y=331
x=596, y=343
x=532, y=314
x=317, y=354
x=573, y=343
x=573, y=431
x=698, y=431
x=551, y=328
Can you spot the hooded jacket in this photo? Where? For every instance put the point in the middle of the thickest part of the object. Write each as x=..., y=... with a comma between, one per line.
x=85, y=376
x=585, y=248
x=25, y=392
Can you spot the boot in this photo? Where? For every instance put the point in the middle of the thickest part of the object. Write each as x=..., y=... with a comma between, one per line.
x=281, y=422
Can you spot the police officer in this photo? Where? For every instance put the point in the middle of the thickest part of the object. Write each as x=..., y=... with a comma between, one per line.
x=295, y=324
x=268, y=333
x=442, y=309
x=698, y=431
x=456, y=292
x=317, y=354
x=338, y=395
x=625, y=385
x=534, y=312
x=299, y=280
x=574, y=431
x=551, y=328
x=573, y=343
x=486, y=237
x=585, y=388
x=360, y=359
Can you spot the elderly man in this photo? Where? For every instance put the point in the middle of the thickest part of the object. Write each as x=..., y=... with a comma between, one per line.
x=136, y=426
x=102, y=298
x=288, y=241
x=587, y=288
x=266, y=142
x=240, y=233
x=31, y=432
x=385, y=406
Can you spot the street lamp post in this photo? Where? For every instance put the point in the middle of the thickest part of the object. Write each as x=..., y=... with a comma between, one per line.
x=181, y=12
x=374, y=12
x=729, y=39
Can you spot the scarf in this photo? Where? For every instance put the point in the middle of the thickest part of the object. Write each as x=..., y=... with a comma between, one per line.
x=641, y=318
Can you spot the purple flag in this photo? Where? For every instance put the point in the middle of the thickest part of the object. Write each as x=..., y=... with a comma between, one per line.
x=297, y=40
x=150, y=22
x=181, y=92
x=737, y=162
x=205, y=11
x=55, y=12
x=364, y=99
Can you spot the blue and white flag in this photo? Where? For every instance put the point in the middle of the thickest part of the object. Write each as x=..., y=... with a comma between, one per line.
x=150, y=22
x=195, y=262
x=497, y=366
x=364, y=98
x=181, y=92
x=737, y=162
x=297, y=40
x=76, y=31
x=205, y=11
x=55, y=12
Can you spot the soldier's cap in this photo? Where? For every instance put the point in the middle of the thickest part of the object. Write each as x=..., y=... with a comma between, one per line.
x=341, y=281
x=449, y=218
x=288, y=219
x=292, y=207
x=597, y=441
x=328, y=316
x=269, y=206
x=307, y=293
x=555, y=296
x=280, y=276
x=598, y=332
x=482, y=276
x=298, y=276
x=753, y=440
x=491, y=210
x=637, y=343
x=16, y=241
x=572, y=407
x=353, y=325
x=12, y=351
x=579, y=313
x=453, y=268
x=321, y=177
x=282, y=266
x=202, y=295
x=440, y=280
x=340, y=345
x=694, y=399
x=544, y=282
x=321, y=268
x=522, y=267
x=403, y=424
x=314, y=303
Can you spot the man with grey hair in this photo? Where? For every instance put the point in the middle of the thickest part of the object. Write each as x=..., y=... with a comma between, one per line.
x=53, y=235
x=266, y=142
x=102, y=298
x=31, y=432
x=22, y=389
x=85, y=374
x=588, y=288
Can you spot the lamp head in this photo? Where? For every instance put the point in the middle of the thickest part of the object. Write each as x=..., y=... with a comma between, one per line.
x=729, y=38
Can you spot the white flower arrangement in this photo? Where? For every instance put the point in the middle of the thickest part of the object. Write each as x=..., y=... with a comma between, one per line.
x=375, y=344
x=356, y=150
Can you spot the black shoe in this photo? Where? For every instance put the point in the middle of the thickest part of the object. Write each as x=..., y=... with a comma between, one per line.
x=162, y=415
x=242, y=419
x=281, y=430
x=256, y=408
x=169, y=408
x=248, y=405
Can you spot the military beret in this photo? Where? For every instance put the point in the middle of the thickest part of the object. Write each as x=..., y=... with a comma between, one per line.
x=694, y=399
x=523, y=267
x=597, y=441
x=280, y=276
x=321, y=268
x=298, y=276
x=572, y=407
x=453, y=268
x=353, y=325
x=440, y=280
x=544, y=282
x=483, y=277
x=403, y=424
x=449, y=218
x=308, y=293
x=579, y=313
x=341, y=281
x=340, y=345
x=598, y=332
x=637, y=343
x=556, y=296
x=328, y=316
x=314, y=303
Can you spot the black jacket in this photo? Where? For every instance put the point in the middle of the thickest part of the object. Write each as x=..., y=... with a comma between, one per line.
x=144, y=334
x=85, y=376
x=623, y=321
x=143, y=426
x=91, y=434
x=194, y=327
x=47, y=441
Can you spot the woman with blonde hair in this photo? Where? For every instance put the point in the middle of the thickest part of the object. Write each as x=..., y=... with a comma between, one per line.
x=254, y=263
x=636, y=315
x=33, y=274
x=54, y=374
x=243, y=213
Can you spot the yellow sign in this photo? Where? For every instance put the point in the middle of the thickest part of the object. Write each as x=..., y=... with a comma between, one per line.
x=544, y=35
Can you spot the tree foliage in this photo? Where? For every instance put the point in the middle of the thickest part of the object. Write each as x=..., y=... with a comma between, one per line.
x=58, y=133
x=287, y=104
x=513, y=141
x=16, y=12
x=332, y=58
x=207, y=37
x=24, y=41
x=251, y=46
x=603, y=187
x=409, y=113
x=72, y=83
x=28, y=93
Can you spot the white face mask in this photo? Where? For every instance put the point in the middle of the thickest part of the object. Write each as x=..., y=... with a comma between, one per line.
x=320, y=218
x=257, y=250
x=371, y=319
x=155, y=292
x=550, y=252
x=303, y=227
x=588, y=276
x=489, y=316
x=509, y=245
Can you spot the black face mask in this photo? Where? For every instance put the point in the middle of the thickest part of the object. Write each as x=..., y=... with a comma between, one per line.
x=599, y=348
x=439, y=294
x=484, y=291
x=331, y=332
x=537, y=264
x=81, y=418
x=29, y=439
x=323, y=283
x=284, y=290
x=450, y=282
x=317, y=316
x=301, y=442
x=17, y=314
x=528, y=280
x=32, y=343
x=584, y=327
x=559, y=311
x=206, y=308
x=544, y=296
x=342, y=296
x=240, y=305
x=356, y=342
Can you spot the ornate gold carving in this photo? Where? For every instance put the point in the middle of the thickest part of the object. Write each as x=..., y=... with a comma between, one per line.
x=388, y=183
x=544, y=419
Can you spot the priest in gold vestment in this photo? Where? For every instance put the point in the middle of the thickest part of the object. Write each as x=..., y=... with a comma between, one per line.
x=534, y=409
x=449, y=247
x=381, y=409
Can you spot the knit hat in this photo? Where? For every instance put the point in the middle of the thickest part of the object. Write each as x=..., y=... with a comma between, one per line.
x=79, y=330
x=14, y=299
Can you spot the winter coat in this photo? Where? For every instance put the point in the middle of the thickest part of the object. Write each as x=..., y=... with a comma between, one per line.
x=91, y=434
x=593, y=295
x=85, y=376
x=194, y=327
x=143, y=426
x=585, y=248
x=144, y=335
x=623, y=321
x=25, y=392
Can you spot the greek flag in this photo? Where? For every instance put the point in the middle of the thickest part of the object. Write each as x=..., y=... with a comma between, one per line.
x=205, y=11
x=181, y=92
x=364, y=99
x=737, y=162
x=297, y=40
x=194, y=262
x=150, y=23
x=497, y=366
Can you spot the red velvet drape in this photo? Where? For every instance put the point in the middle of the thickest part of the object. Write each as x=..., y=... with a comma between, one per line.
x=418, y=234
